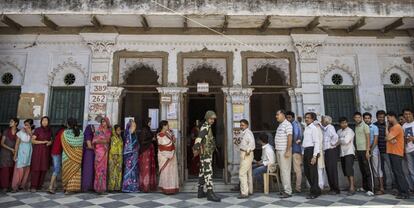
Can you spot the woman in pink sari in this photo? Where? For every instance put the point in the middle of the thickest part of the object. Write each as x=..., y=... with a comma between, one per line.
x=147, y=175
x=167, y=160
x=101, y=142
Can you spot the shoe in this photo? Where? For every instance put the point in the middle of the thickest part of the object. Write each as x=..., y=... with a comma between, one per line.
x=298, y=191
x=361, y=190
x=211, y=196
x=380, y=192
x=243, y=196
x=369, y=193
x=311, y=197
x=402, y=197
x=235, y=188
x=285, y=195
x=333, y=192
x=350, y=193
x=201, y=193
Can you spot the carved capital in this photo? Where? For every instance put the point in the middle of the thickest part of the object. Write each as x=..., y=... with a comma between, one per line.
x=101, y=45
x=174, y=92
x=307, y=50
x=238, y=95
x=114, y=93
x=101, y=49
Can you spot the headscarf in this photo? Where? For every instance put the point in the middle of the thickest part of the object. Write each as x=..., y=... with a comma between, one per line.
x=210, y=114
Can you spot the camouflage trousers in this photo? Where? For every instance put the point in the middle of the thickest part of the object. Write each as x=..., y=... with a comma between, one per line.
x=205, y=177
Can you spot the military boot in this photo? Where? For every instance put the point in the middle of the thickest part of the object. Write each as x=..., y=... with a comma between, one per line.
x=201, y=193
x=211, y=196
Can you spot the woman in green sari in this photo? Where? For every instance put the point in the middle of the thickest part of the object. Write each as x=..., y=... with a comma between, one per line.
x=115, y=160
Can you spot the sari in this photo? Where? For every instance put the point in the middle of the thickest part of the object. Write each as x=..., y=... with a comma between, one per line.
x=101, y=157
x=167, y=161
x=71, y=161
x=131, y=172
x=147, y=177
x=88, y=158
x=115, y=162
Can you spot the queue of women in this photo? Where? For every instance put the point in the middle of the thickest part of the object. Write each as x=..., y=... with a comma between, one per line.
x=98, y=159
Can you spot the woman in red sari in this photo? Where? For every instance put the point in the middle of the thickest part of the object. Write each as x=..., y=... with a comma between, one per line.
x=101, y=141
x=147, y=177
x=41, y=140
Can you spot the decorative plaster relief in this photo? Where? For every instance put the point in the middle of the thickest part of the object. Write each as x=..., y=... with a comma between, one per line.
x=56, y=76
x=218, y=64
x=128, y=65
x=254, y=64
x=13, y=64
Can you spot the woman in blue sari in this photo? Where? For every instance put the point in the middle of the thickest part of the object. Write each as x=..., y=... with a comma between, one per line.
x=131, y=171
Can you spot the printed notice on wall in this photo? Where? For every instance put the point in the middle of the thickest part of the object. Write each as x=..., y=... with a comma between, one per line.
x=172, y=111
x=238, y=112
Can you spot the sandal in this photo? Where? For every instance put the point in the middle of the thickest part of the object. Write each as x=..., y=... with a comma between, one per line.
x=51, y=191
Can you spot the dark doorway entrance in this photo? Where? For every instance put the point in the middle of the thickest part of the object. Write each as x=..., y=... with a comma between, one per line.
x=140, y=94
x=195, y=106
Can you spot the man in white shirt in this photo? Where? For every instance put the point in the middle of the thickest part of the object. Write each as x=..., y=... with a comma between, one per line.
x=346, y=139
x=283, y=146
x=268, y=158
x=246, y=145
x=311, y=147
x=330, y=144
x=409, y=147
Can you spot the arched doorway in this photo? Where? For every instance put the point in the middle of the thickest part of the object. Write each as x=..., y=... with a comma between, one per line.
x=270, y=94
x=141, y=94
x=196, y=104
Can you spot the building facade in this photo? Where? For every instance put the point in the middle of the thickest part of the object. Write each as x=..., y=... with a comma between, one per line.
x=120, y=59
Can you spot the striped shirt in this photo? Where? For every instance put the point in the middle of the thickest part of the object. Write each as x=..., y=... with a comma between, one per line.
x=281, y=138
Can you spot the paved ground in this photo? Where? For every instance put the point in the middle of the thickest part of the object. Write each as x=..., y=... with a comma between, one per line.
x=152, y=200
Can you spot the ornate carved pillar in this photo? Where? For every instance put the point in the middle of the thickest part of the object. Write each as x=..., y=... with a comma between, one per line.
x=307, y=47
x=237, y=98
x=102, y=46
x=113, y=103
x=173, y=113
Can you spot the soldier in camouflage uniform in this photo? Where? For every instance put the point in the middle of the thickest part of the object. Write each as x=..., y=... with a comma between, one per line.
x=205, y=145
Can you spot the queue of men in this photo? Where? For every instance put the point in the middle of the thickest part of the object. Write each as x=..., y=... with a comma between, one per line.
x=317, y=147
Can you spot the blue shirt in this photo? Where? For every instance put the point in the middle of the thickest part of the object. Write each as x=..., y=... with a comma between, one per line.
x=373, y=131
x=297, y=135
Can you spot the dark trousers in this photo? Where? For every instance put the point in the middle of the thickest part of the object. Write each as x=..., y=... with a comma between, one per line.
x=385, y=157
x=366, y=172
x=311, y=171
x=401, y=182
x=331, y=167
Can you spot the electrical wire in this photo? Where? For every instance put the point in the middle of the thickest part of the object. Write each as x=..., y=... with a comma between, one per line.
x=211, y=29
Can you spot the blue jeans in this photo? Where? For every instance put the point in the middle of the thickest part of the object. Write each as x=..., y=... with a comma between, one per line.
x=410, y=165
x=258, y=173
x=57, y=164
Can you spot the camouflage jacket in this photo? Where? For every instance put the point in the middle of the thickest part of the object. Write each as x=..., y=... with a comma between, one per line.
x=205, y=142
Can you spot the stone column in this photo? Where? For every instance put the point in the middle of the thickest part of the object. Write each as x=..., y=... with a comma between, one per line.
x=101, y=46
x=293, y=101
x=307, y=49
x=235, y=96
x=113, y=104
x=299, y=101
x=175, y=121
